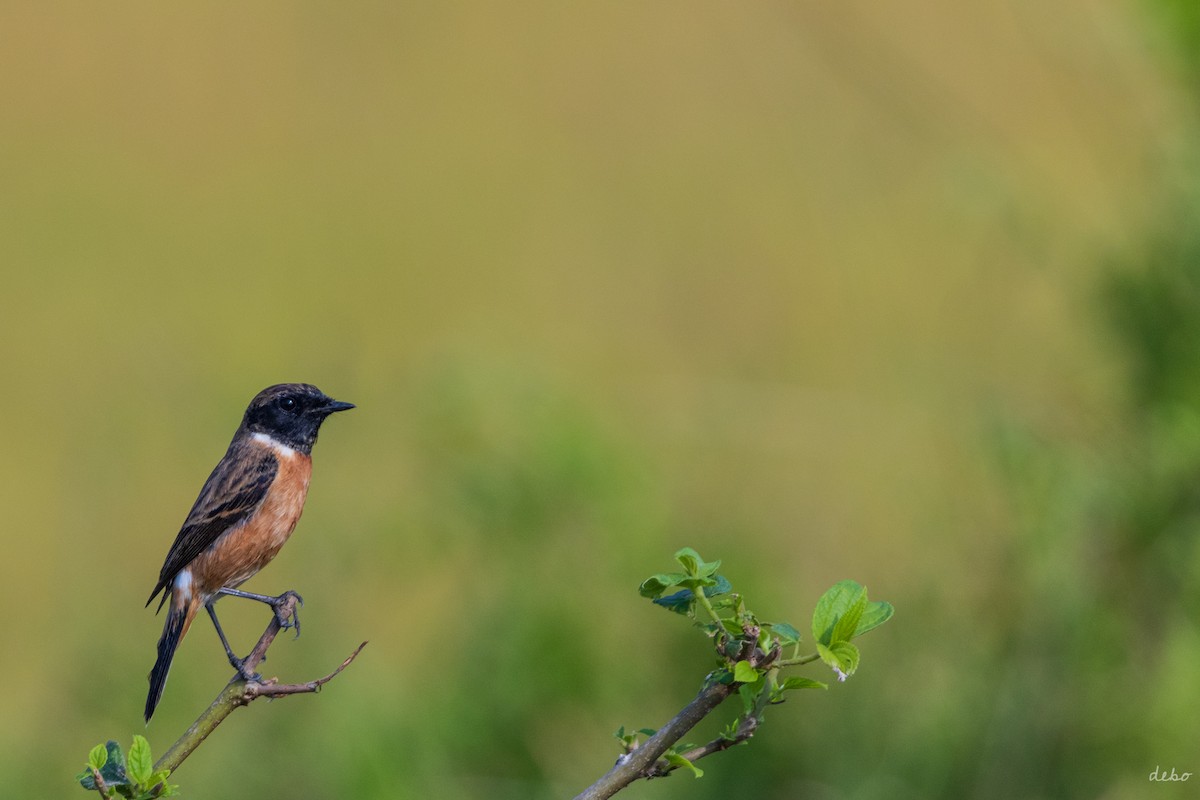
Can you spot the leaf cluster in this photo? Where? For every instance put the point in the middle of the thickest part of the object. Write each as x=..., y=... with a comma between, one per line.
x=841, y=614
x=114, y=774
x=751, y=650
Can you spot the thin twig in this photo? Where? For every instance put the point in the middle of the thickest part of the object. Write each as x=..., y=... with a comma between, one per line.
x=240, y=692
x=795, y=662
x=699, y=594
x=640, y=762
x=101, y=786
x=271, y=689
x=744, y=731
x=643, y=761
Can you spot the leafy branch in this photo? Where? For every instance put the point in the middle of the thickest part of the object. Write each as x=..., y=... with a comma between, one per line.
x=750, y=657
x=139, y=777
x=751, y=654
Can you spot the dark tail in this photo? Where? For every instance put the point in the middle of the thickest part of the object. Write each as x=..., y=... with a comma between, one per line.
x=177, y=622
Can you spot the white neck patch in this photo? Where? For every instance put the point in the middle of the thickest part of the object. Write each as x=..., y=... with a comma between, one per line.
x=281, y=449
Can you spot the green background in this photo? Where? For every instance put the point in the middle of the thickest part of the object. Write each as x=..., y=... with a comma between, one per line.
x=902, y=294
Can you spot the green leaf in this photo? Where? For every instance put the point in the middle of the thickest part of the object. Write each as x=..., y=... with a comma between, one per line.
x=161, y=777
x=847, y=622
x=690, y=560
x=792, y=684
x=676, y=760
x=744, y=673
x=681, y=602
x=98, y=757
x=720, y=586
x=841, y=656
x=786, y=633
x=694, y=565
x=749, y=696
x=750, y=692
x=849, y=656
x=87, y=780
x=734, y=630
x=720, y=675
x=875, y=615
x=114, y=768
x=141, y=765
x=832, y=605
x=655, y=585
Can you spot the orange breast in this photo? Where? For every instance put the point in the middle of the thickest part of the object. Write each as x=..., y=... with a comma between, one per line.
x=246, y=549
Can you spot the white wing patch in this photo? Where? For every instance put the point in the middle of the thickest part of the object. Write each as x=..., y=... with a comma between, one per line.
x=183, y=583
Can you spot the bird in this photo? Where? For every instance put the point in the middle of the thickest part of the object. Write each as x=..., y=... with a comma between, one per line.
x=244, y=514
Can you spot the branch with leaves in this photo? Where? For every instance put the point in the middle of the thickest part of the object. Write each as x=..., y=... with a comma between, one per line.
x=139, y=777
x=751, y=653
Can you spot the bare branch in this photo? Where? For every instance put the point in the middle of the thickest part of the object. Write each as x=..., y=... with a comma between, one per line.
x=272, y=689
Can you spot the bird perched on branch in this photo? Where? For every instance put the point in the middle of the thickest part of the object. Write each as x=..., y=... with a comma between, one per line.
x=248, y=508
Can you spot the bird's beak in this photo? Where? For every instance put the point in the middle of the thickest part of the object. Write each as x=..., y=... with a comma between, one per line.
x=334, y=406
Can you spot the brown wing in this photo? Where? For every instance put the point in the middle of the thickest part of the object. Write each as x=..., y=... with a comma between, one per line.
x=232, y=492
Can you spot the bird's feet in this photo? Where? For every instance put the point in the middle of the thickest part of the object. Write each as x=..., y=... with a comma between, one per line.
x=247, y=675
x=287, y=613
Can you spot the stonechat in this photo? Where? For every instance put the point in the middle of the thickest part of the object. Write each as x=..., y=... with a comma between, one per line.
x=248, y=508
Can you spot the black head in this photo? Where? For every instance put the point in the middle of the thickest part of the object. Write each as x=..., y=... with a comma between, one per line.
x=291, y=413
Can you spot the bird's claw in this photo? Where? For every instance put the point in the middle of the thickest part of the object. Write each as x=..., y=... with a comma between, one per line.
x=280, y=607
x=245, y=674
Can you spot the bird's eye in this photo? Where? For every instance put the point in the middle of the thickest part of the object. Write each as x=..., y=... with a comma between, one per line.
x=287, y=403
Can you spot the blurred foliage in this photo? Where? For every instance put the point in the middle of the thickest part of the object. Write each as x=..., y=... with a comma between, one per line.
x=1101, y=593
x=1153, y=308
x=1180, y=21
